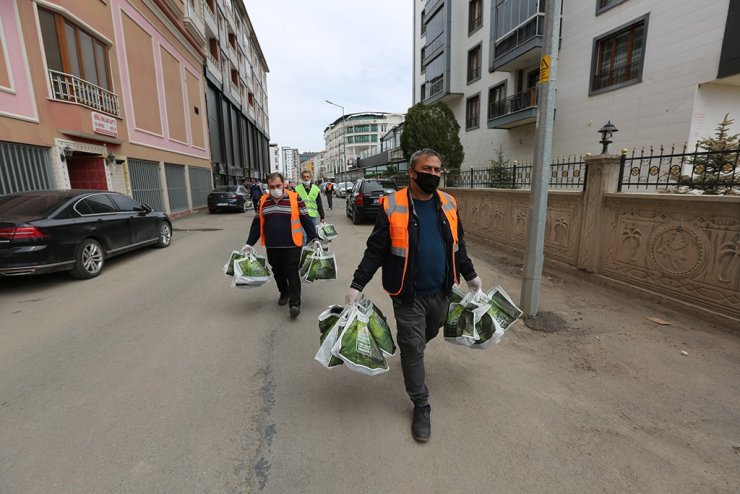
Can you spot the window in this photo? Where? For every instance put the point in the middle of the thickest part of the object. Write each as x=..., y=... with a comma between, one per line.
x=474, y=63
x=125, y=203
x=604, y=5
x=511, y=14
x=232, y=40
x=423, y=26
x=96, y=204
x=496, y=100
x=213, y=49
x=71, y=50
x=235, y=77
x=618, y=57
x=472, y=112
x=475, y=15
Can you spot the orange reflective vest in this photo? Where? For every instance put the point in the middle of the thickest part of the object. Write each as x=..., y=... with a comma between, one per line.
x=396, y=207
x=296, y=229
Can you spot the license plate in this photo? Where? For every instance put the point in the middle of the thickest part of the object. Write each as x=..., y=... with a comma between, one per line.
x=222, y=204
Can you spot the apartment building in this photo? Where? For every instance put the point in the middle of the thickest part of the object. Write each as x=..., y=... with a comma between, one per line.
x=348, y=137
x=274, y=158
x=291, y=163
x=236, y=92
x=663, y=71
x=103, y=95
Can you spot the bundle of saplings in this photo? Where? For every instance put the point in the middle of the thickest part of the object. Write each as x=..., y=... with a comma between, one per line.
x=480, y=319
x=357, y=335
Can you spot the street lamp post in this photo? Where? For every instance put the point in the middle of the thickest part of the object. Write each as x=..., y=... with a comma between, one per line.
x=344, y=138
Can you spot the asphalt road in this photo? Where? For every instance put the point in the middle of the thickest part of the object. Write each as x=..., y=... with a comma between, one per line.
x=159, y=377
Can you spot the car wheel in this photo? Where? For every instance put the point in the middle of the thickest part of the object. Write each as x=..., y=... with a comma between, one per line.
x=89, y=260
x=165, y=235
x=355, y=217
x=346, y=211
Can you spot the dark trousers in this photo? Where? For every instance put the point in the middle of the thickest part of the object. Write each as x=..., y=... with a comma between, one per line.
x=329, y=199
x=418, y=323
x=284, y=264
x=256, y=203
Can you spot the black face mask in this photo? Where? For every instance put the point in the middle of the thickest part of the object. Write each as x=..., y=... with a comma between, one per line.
x=427, y=182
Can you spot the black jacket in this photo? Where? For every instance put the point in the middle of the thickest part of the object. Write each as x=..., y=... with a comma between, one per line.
x=378, y=254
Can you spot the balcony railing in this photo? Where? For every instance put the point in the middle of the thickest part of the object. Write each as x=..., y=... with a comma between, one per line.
x=66, y=87
x=533, y=27
x=436, y=86
x=519, y=101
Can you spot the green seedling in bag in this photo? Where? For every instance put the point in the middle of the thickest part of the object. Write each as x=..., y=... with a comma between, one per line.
x=451, y=329
x=229, y=268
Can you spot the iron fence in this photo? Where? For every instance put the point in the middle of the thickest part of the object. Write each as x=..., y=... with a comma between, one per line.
x=565, y=174
x=24, y=167
x=712, y=172
x=146, y=185
x=176, y=188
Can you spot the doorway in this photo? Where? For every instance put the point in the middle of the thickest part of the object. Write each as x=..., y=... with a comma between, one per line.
x=87, y=172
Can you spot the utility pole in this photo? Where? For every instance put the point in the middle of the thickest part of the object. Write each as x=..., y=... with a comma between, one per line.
x=534, y=255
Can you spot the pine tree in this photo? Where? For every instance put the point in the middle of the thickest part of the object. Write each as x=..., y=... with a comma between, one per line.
x=713, y=172
x=501, y=174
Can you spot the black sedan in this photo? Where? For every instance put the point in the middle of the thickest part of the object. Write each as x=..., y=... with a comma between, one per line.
x=74, y=230
x=229, y=197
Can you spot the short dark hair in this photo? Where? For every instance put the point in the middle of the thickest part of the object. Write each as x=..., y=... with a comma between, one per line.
x=274, y=175
x=422, y=152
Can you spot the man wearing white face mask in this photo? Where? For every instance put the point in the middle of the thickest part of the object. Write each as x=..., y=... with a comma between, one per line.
x=281, y=220
x=311, y=195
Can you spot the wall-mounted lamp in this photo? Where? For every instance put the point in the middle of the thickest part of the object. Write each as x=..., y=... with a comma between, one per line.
x=66, y=153
x=607, y=131
x=111, y=158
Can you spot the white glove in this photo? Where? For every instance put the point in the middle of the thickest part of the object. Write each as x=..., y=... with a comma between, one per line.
x=317, y=245
x=352, y=295
x=475, y=284
x=247, y=249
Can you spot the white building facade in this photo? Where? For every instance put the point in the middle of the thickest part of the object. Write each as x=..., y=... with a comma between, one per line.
x=350, y=137
x=291, y=163
x=664, y=72
x=274, y=158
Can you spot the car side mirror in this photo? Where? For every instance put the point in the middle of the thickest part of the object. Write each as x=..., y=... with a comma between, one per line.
x=147, y=208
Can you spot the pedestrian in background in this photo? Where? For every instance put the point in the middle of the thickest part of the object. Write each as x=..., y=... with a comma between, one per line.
x=255, y=191
x=418, y=241
x=329, y=191
x=311, y=195
x=281, y=222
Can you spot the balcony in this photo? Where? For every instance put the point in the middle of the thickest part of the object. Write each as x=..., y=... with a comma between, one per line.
x=66, y=87
x=521, y=47
x=194, y=21
x=210, y=20
x=514, y=111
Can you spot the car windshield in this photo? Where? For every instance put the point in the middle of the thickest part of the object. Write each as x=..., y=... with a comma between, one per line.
x=225, y=188
x=375, y=185
x=30, y=205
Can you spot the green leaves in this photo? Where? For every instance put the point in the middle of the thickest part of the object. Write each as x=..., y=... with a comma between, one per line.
x=433, y=126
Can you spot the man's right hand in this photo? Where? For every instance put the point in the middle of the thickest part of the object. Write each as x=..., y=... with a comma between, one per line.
x=351, y=297
x=247, y=249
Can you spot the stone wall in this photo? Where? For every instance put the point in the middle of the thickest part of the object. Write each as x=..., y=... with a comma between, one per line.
x=681, y=248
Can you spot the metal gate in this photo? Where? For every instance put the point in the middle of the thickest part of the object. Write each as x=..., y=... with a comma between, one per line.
x=146, y=186
x=200, y=185
x=24, y=167
x=176, y=188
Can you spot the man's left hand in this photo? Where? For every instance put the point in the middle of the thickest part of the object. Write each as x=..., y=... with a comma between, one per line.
x=317, y=245
x=476, y=284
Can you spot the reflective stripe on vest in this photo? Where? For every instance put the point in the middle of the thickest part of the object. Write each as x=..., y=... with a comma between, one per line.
x=309, y=198
x=296, y=229
x=396, y=207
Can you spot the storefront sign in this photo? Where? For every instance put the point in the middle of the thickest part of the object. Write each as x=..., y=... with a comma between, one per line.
x=103, y=124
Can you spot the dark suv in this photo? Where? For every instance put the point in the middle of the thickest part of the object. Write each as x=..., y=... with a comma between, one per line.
x=363, y=201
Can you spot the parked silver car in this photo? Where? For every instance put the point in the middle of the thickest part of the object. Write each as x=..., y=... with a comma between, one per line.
x=343, y=188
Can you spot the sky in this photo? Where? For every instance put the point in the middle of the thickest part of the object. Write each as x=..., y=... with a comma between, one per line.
x=356, y=54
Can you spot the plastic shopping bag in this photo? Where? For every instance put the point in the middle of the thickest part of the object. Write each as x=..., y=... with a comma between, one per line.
x=327, y=232
x=229, y=266
x=356, y=346
x=331, y=322
x=479, y=319
x=319, y=265
x=250, y=271
x=378, y=326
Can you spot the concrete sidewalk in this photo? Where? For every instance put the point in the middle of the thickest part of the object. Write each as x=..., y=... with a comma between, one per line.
x=607, y=403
